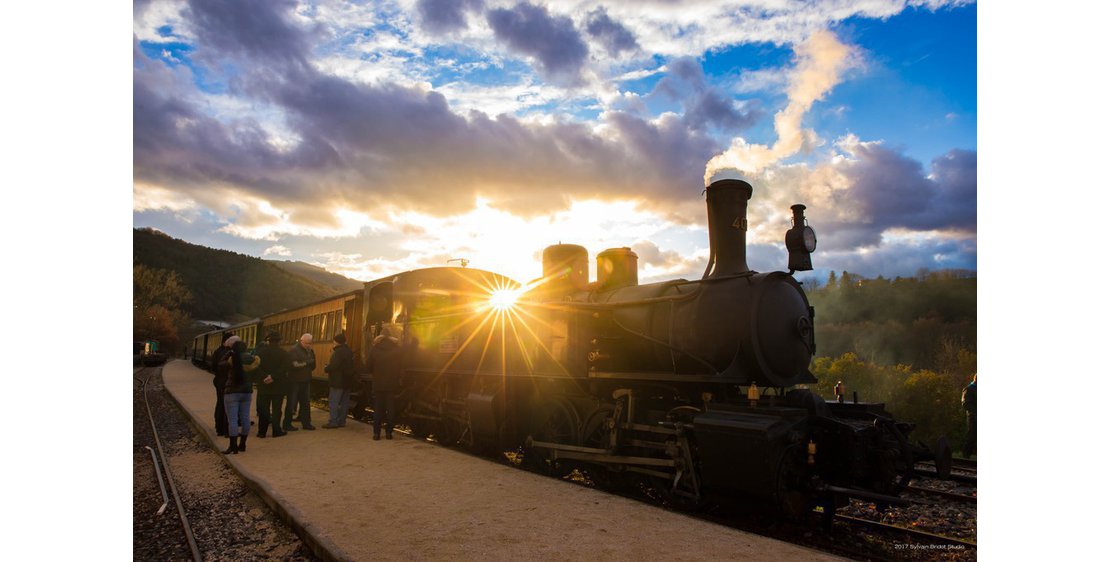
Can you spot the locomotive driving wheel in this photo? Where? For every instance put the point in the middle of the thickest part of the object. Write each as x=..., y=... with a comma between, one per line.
x=596, y=434
x=556, y=422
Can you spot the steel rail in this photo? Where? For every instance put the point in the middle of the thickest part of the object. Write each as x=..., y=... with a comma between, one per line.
x=161, y=483
x=169, y=477
x=943, y=494
x=912, y=532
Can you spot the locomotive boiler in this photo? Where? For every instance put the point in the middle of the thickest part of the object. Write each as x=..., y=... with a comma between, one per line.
x=690, y=390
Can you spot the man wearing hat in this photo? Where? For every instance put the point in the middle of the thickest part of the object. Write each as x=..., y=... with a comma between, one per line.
x=272, y=380
x=341, y=380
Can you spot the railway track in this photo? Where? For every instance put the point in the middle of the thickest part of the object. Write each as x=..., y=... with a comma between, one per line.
x=161, y=468
x=930, y=540
x=942, y=494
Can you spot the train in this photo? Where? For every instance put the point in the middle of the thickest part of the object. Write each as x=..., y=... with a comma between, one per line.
x=692, y=391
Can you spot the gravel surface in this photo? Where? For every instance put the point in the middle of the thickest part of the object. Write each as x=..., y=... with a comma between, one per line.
x=228, y=520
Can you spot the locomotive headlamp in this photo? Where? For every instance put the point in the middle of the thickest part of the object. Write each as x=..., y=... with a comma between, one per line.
x=801, y=241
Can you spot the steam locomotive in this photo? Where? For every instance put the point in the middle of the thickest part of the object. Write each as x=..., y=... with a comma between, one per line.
x=692, y=390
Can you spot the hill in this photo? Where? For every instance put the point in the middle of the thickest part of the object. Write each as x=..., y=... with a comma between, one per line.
x=226, y=285
x=919, y=321
x=336, y=282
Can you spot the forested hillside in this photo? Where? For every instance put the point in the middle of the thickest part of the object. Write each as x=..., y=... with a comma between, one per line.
x=908, y=342
x=333, y=281
x=225, y=285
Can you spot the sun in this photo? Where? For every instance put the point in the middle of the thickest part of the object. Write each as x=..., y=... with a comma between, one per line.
x=503, y=300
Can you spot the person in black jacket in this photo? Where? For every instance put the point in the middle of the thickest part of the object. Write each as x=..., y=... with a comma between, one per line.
x=387, y=365
x=273, y=384
x=219, y=379
x=341, y=379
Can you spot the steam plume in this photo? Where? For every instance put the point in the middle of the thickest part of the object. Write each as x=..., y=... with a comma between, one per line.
x=820, y=60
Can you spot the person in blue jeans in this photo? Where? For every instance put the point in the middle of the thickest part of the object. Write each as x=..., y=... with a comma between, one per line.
x=341, y=379
x=237, y=395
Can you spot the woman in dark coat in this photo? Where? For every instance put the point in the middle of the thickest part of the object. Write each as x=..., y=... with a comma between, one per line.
x=237, y=395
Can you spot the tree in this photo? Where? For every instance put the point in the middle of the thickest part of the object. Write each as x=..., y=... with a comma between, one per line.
x=159, y=297
x=159, y=287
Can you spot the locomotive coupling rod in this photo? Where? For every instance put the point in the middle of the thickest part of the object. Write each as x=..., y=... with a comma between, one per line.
x=574, y=452
x=865, y=495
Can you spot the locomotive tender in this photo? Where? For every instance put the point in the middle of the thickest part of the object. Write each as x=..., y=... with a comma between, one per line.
x=690, y=389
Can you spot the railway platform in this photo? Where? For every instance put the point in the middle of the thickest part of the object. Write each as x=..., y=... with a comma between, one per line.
x=352, y=498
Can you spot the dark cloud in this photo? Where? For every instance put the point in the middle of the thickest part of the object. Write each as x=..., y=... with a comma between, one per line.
x=703, y=106
x=609, y=33
x=889, y=190
x=552, y=41
x=894, y=191
x=445, y=16
x=256, y=29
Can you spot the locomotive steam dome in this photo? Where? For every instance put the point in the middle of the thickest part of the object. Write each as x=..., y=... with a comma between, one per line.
x=616, y=268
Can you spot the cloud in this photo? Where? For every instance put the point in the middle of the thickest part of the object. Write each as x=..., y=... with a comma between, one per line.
x=613, y=36
x=819, y=63
x=704, y=106
x=445, y=16
x=280, y=136
x=364, y=144
x=261, y=33
x=277, y=250
x=864, y=192
x=551, y=41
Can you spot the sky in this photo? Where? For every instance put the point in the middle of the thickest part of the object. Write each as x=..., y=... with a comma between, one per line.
x=371, y=138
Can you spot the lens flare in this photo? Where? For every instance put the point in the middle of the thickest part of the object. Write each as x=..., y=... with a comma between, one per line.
x=503, y=299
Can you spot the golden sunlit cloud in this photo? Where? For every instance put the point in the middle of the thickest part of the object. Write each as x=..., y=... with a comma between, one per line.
x=820, y=61
x=258, y=219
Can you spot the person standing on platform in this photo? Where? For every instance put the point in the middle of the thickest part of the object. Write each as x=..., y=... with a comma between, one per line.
x=219, y=380
x=300, y=382
x=387, y=365
x=968, y=401
x=341, y=378
x=273, y=384
x=237, y=395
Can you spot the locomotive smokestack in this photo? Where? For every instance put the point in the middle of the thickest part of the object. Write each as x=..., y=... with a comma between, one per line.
x=727, y=202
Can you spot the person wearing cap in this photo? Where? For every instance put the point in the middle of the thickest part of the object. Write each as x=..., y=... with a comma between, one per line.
x=237, y=394
x=219, y=380
x=387, y=365
x=300, y=381
x=341, y=379
x=272, y=379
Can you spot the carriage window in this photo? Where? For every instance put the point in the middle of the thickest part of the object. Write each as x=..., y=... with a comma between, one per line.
x=317, y=333
x=380, y=304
